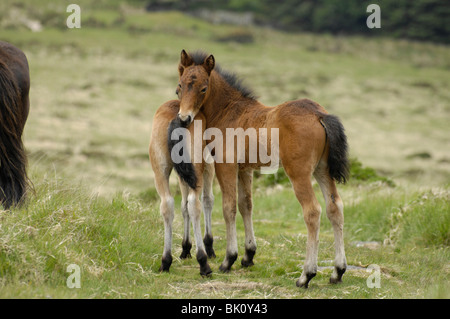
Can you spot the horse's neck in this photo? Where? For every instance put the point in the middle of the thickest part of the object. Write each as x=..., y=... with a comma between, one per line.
x=226, y=104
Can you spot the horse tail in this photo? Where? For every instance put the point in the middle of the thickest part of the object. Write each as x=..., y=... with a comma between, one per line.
x=338, y=162
x=13, y=160
x=184, y=168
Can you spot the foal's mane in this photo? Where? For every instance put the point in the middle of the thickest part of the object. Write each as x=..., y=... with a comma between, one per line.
x=231, y=78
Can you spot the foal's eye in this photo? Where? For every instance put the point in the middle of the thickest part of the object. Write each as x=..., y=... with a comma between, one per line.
x=203, y=90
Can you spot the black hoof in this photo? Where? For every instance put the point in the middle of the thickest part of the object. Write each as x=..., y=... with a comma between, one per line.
x=246, y=264
x=225, y=269
x=186, y=253
x=206, y=271
x=165, y=263
x=247, y=261
x=227, y=263
x=301, y=283
x=337, y=279
x=210, y=252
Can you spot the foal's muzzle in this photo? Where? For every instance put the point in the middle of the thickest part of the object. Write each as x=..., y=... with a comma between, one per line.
x=185, y=119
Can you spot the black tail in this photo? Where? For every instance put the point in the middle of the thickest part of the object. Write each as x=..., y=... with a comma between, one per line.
x=338, y=163
x=185, y=168
x=13, y=160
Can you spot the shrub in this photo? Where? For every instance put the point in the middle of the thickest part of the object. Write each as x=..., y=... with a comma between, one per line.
x=424, y=221
x=358, y=174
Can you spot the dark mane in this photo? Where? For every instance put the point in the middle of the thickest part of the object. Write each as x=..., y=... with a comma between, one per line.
x=198, y=56
x=231, y=78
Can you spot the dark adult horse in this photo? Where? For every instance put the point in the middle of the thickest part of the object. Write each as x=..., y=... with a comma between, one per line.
x=14, y=107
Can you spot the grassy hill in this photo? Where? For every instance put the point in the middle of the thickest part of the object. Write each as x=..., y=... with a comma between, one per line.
x=94, y=93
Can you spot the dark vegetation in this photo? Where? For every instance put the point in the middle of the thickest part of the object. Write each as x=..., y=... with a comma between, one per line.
x=358, y=174
x=425, y=20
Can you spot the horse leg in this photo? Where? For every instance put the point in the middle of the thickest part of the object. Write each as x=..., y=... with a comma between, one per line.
x=311, y=214
x=304, y=192
x=195, y=210
x=245, y=205
x=186, y=242
x=167, y=212
x=335, y=213
x=226, y=175
x=208, y=204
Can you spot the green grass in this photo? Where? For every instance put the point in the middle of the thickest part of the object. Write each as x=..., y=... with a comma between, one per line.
x=93, y=95
x=117, y=243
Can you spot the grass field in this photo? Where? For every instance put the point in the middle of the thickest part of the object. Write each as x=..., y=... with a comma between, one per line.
x=94, y=92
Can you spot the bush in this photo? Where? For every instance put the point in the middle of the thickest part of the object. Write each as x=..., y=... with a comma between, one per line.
x=278, y=178
x=424, y=221
x=239, y=36
x=358, y=174
x=424, y=20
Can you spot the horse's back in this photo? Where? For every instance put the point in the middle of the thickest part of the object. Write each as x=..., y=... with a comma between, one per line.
x=168, y=109
x=302, y=107
x=17, y=62
x=15, y=57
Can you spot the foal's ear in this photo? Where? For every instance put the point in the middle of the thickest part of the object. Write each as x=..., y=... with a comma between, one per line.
x=186, y=59
x=209, y=64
